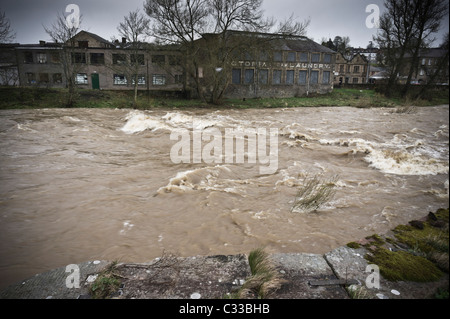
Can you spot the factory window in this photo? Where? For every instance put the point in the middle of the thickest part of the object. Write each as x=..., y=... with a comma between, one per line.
x=236, y=76
x=290, y=76
x=263, y=76
x=141, y=80
x=42, y=58
x=302, y=77
x=119, y=59
x=326, y=77
x=159, y=79
x=159, y=59
x=55, y=57
x=97, y=58
x=314, y=77
x=81, y=78
x=57, y=78
x=278, y=56
x=137, y=59
x=28, y=57
x=44, y=78
x=249, y=76
x=327, y=58
x=291, y=57
x=315, y=57
x=31, y=78
x=276, y=78
x=303, y=57
x=79, y=57
x=264, y=56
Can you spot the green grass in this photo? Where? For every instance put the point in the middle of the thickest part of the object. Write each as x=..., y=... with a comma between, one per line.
x=35, y=98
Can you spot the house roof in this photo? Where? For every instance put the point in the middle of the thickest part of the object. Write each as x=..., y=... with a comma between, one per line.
x=95, y=36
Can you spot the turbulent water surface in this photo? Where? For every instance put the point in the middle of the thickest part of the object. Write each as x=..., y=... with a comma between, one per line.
x=85, y=184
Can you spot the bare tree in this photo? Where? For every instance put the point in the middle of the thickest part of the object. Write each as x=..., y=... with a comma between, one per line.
x=439, y=72
x=405, y=28
x=6, y=32
x=61, y=31
x=204, y=29
x=134, y=28
x=293, y=27
x=429, y=16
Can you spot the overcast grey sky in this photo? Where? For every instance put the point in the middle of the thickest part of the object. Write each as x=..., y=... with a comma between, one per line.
x=329, y=18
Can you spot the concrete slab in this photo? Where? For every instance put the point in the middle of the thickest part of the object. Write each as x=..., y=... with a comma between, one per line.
x=201, y=277
x=298, y=270
x=52, y=284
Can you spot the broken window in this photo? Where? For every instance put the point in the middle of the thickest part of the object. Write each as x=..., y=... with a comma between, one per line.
x=141, y=80
x=81, y=78
x=41, y=58
x=159, y=79
x=119, y=59
x=120, y=79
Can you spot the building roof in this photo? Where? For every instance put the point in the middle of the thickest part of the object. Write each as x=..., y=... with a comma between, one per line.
x=283, y=42
x=430, y=53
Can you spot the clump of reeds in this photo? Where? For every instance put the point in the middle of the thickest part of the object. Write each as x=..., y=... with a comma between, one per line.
x=314, y=192
x=264, y=280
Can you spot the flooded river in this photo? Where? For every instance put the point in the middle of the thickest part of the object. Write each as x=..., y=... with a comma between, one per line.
x=101, y=184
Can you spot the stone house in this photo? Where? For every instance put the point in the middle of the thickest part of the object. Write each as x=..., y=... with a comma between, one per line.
x=351, y=69
x=101, y=64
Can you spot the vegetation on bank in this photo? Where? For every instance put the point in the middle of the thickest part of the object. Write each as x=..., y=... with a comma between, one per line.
x=36, y=98
x=418, y=252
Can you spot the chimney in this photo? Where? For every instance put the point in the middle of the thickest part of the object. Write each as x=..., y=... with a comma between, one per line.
x=41, y=43
x=124, y=40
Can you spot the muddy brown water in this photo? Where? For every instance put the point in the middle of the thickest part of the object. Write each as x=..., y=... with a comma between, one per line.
x=99, y=184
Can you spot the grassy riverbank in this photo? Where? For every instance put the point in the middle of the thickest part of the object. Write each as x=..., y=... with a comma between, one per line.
x=35, y=98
